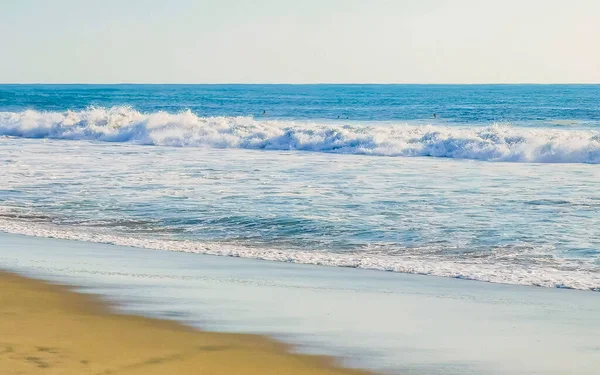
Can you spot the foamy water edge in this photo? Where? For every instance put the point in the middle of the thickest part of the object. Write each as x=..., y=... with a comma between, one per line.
x=548, y=277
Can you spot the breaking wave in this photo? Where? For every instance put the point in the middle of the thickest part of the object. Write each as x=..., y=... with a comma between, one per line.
x=185, y=129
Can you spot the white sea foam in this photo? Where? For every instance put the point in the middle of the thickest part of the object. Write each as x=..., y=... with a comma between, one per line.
x=123, y=124
x=553, y=275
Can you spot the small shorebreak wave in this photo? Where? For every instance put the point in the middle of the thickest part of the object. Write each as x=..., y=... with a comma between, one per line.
x=186, y=129
x=557, y=273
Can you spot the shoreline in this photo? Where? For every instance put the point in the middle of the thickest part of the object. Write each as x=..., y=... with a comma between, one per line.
x=49, y=328
x=377, y=321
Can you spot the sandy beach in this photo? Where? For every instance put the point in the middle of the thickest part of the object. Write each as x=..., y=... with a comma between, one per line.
x=48, y=329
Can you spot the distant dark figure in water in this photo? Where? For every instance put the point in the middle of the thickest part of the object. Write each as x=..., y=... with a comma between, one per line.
x=435, y=115
x=264, y=112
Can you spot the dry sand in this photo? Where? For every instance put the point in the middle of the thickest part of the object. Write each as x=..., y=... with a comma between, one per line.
x=48, y=329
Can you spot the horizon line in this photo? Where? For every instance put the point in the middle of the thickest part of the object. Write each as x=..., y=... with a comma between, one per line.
x=304, y=84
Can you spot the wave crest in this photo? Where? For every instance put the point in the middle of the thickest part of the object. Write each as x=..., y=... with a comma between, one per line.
x=186, y=129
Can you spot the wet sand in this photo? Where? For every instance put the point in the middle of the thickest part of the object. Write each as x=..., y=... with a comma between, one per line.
x=380, y=321
x=49, y=329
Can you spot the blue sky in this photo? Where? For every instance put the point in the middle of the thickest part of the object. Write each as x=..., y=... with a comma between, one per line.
x=308, y=41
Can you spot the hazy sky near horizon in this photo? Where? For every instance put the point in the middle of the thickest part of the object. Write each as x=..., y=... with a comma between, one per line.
x=301, y=41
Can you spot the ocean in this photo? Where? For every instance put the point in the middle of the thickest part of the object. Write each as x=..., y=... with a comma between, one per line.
x=501, y=185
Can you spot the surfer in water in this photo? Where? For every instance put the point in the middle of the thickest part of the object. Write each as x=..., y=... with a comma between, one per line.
x=435, y=115
x=264, y=112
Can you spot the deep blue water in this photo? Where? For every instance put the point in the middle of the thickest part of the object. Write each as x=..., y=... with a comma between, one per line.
x=452, y=103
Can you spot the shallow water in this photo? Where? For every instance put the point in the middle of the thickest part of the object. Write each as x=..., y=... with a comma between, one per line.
x=500, y=222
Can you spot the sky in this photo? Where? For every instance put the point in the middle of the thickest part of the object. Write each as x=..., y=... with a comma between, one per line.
x=300, y=41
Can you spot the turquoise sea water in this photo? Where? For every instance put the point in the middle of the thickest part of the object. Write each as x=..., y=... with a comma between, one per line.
x=502, y=185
